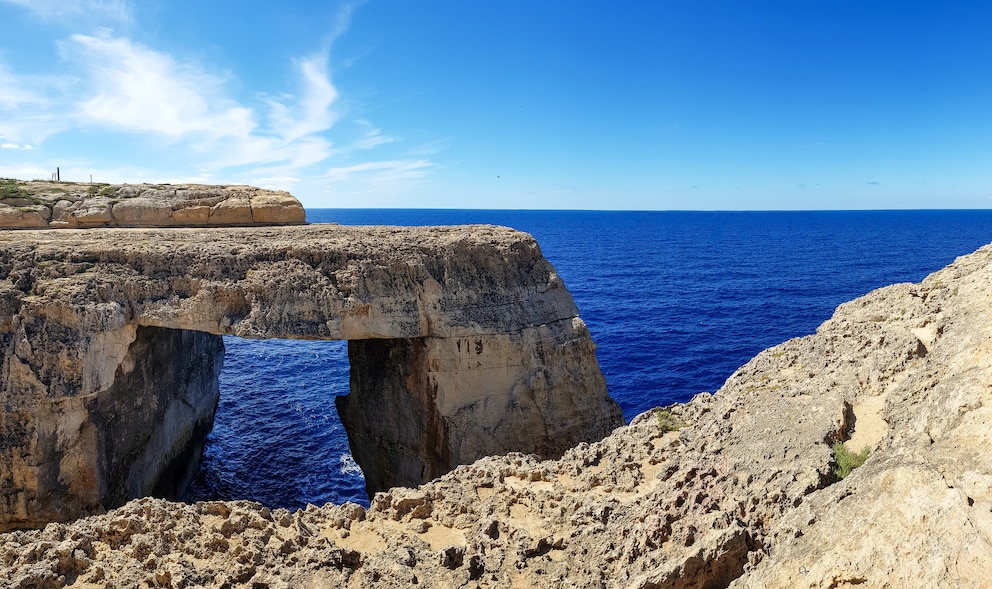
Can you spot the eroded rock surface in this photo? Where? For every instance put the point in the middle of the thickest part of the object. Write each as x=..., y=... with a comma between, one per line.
x=61, y=205
x=741, y=495
x=480, y=349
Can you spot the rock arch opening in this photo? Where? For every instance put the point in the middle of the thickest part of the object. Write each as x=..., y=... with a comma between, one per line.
x=276, y=436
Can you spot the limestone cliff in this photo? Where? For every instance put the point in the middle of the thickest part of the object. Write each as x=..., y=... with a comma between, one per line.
x=741, y=495
x=466, y=343
x=61, y=205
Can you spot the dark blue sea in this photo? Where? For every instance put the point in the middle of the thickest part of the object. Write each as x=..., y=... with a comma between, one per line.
x=676, y=301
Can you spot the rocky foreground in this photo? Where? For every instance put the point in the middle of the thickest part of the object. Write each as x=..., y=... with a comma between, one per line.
x=741, y=495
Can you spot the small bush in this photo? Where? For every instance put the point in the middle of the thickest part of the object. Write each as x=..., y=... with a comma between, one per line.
x=845, y=461
x=10, y=188
x=667, y=422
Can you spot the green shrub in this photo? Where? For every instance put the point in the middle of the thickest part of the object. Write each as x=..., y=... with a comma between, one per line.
x=10, y=188
x=845, y=461
x=667, y=422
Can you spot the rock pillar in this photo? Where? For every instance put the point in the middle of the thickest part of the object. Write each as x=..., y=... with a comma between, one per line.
x=420, y=407
x=139, y=436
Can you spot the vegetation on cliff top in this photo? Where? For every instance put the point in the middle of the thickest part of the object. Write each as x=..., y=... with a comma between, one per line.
x=10, y=188
x=668, y=422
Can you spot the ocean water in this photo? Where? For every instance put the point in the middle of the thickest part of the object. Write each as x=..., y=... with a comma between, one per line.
x=676, y=301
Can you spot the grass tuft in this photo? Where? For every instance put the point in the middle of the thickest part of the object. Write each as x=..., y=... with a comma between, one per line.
x=845, y=461
x=668, y=422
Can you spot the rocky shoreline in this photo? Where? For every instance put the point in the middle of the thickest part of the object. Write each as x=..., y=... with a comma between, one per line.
x=740, y=495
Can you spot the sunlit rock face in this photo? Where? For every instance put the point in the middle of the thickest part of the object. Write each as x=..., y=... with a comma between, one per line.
x=465, y=343
x=435, y=403
x=62, y=205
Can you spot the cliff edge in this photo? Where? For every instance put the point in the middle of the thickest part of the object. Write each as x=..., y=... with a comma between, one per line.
x=70, y=205
x=741, y=494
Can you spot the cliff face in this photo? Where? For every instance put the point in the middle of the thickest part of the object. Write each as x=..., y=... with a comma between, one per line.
x=469, y=329
x=62, y=205
x=418, y=407
x=741, y=495
x=135, y=434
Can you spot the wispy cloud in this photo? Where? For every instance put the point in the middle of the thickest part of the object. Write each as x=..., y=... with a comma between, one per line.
x=26, y=114
x=382, y=172
x=372, y=137
x=12, y=94
x=293, y=117
x=28, y=171
x=186, y=110
x=276, y=182
x=92, y=10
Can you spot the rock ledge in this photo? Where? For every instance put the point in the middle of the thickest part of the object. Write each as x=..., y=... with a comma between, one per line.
x=70, y=205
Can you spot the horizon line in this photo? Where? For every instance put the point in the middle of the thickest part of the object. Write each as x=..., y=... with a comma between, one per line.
x=539, y=210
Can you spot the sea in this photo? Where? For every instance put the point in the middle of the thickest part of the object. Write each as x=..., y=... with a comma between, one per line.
x=676, y=302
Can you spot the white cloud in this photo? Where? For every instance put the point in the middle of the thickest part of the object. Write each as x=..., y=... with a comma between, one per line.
x=139, y=90
x=136, y=89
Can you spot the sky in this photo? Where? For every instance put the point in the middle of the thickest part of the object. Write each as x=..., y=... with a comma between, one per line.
x=648, y=105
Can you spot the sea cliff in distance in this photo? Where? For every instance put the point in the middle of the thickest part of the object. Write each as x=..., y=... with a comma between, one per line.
x=740, y=488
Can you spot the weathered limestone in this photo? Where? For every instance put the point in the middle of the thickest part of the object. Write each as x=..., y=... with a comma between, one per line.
x=133, y=429
x=740, y=496
x=419, y=407
x=67, y=205
x=472, y=332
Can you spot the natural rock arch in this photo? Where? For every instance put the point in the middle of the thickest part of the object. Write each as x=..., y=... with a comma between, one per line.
x=463, y=342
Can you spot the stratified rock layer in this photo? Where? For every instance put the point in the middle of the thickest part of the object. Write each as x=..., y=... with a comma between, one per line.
x=475, y=348
x=742, y=495
x=68, y=205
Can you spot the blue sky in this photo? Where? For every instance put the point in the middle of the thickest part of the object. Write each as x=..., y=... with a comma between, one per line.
x=797, y=104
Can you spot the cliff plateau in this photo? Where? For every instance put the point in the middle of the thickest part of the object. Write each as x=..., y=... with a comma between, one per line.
x=69, y=205
x=463, y=340
x=741, y=495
